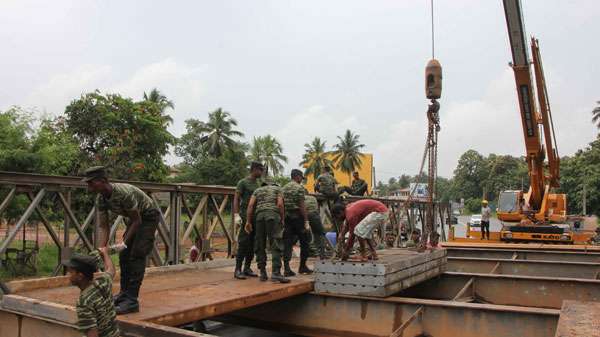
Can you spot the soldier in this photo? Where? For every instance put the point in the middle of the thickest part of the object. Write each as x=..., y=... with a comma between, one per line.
x=296, y=223
x=143, y=216
x=359, y=186
x=95, y=309
x=243, y=192
x=325, y=184
x=267, y=204
x=316, y=226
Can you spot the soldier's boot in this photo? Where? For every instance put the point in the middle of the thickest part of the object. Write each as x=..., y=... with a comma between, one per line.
x=118, y=298
x=263, y=274
x=127, y=306
x=303, y=269
x=247, y=270
x=287, y=271
x=238, y=269
x=277, y=277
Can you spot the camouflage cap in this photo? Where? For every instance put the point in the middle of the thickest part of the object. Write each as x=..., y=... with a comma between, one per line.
x=82, y=263
x=94, y=172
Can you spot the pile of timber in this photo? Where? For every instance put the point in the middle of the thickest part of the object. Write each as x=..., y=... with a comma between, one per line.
x=396, y=270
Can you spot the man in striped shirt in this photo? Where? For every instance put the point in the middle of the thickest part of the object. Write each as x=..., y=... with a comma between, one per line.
x=96, y=316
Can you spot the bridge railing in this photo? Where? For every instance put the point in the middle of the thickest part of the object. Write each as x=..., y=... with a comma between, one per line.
x=205, y=207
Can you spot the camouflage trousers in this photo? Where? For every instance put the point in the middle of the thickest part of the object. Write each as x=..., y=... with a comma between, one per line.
x=268, y=229
x=132, y=260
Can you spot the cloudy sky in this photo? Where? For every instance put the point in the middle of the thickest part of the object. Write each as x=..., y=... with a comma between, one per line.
x=305, y=68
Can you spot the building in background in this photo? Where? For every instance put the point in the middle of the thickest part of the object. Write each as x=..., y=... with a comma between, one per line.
x=344, y=179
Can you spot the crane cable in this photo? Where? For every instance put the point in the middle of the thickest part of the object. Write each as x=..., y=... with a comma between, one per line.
x=432, y=33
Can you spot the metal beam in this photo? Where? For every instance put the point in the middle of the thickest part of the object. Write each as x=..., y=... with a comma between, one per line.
x=30, y=209
x=7, y=199
x=312, y=315
x=78, y=229
x=525, y=254
x=539, y=292
x=585, y=270
x=30, y=179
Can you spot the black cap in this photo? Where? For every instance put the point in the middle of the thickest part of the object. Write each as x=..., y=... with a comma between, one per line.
x=95, y=172
x=82, y=263
x=256, y=165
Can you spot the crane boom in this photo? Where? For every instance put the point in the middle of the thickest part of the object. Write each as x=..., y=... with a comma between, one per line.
x=540, y=205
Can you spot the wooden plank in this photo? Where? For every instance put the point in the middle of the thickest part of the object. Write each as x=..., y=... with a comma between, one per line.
x=39, y=308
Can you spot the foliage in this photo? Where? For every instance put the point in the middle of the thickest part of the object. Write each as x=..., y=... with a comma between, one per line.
x=315, y=157
x=215, y=136
x=203, y=167
x=473, y=205
x=470, y=174
x=268, y=150
x=281, y=180
x=347, y=154
x=596, y=115
x=581, y=169
x=226, y=170
x=128, y=137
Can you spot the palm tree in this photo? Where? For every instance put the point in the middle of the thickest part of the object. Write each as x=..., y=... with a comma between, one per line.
x=219, y=132
x=596, y=114
x=347, y=155
x=268, y=150
x=162, y=103
x=315, y=157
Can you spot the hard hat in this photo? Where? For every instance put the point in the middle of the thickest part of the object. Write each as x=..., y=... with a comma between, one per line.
x=484, y=201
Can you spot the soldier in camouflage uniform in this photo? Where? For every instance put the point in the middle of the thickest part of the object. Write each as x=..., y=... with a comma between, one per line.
x=142, y=221
x=296, y=223
x=325, y=184
x=267, y=204
x=316, y=226
x=243, y=192
x=359, y=186
x=95, y=309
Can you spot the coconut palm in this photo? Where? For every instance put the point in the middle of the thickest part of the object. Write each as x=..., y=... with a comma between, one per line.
x=315, y=157
x=596, y=114
x=161, y=102
x=347, y=155
x=268, y=150
x=219, y=133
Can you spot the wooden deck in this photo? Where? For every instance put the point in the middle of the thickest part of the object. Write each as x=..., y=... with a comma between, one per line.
x=169, y=296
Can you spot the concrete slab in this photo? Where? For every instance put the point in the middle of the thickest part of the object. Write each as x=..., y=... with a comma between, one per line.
x=396, y=269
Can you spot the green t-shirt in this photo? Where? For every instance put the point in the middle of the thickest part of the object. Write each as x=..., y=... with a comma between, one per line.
x=245, y=188
x=95, y=308
x=326, y=183
x=293, y=195
x=311, y=204
x=125, y=198
x=266, y=199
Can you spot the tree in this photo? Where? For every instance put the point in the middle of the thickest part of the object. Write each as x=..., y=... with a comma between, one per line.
x=315, y=157
x=268, y=150
x=347, y=155
x=218, y=133
x=159, y=99
x=577, y=171
x=128, y=137
x=404, y=180
x=596, y=114
x=470, y=175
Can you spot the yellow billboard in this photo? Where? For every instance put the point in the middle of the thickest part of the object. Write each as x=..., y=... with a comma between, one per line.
x=365, y=172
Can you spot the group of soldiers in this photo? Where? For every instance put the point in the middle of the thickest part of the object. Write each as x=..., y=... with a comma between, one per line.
x=281, y=216
x=264, y=212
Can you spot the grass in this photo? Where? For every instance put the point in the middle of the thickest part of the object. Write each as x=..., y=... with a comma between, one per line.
x=47, y=259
